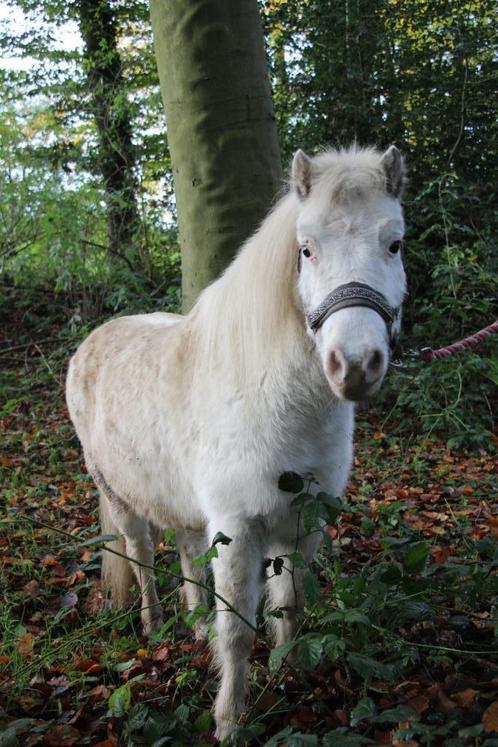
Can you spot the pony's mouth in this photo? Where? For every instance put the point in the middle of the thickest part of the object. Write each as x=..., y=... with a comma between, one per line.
x=356, y=391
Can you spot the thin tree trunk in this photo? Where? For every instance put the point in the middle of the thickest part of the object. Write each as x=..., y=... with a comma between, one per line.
x=221, y=128
x=112, y=117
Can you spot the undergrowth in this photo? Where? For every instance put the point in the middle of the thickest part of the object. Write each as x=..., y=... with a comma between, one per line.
x=398, y=639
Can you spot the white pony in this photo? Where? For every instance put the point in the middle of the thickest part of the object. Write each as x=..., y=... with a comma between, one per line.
x=188, y=422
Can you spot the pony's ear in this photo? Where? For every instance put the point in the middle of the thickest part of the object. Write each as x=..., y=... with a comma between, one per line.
x=301, y=173
x=393, y=165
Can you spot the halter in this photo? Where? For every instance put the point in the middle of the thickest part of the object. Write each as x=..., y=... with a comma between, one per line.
x=354, y=294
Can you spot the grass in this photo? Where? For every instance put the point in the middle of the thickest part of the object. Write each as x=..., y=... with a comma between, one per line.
x=398, y=643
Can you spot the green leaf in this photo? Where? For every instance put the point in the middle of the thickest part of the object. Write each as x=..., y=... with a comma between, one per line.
x=368, y=667
x=137, y=717
x=333, y=646
x=122, y=666
x=364, y=711
x=311, y=588
x=302, y=740
x=8, y=738
x=277, y=739
x=333, y=502
x=119, y=701
x=312, y=513
x=309, y=651
x=392, y=575
x=203, y=722
x=412, y=610
x=99, y=540
x=278, y=654
x=291, y=482
x=205, y=557
x=340, y=738
x=302, y=500
x=355, y=616
x=416, y=557
x=297, y=559
x=182, y=713
x=393, y=715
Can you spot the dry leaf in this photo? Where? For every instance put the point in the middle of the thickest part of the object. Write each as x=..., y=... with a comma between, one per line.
x=25, y=644
x=419, y=704
x=61, y=736
x=465, y=697
x=490, y=717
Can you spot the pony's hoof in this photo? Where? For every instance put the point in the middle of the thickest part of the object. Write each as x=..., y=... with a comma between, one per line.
x=201, y=632
x=223, y=729
x=153, y=624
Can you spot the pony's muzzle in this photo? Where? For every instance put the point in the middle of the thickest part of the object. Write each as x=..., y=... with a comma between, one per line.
x=355, y=378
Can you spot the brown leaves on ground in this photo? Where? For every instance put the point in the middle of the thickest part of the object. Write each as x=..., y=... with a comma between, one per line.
x=67, y=693
x=490, y=718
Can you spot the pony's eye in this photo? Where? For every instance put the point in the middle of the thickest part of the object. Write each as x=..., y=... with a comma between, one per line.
x=395, y=247
x=307, y=251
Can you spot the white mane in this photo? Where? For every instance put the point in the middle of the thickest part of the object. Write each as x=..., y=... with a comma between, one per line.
x=251, y=315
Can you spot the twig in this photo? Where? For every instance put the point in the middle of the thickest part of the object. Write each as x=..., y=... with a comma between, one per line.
x=24, y=345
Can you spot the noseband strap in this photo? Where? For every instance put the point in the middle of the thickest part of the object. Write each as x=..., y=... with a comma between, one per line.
x=353, y=294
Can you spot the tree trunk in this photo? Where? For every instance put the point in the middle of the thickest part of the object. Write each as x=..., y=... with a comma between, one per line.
x=221, y=128
x=112, y=117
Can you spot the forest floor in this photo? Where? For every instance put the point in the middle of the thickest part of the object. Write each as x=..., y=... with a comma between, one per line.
x=399, y=648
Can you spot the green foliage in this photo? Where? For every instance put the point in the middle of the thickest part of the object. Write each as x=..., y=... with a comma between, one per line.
x=419, y=75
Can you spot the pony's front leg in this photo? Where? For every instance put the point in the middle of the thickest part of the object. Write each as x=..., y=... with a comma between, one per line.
x=285, y=591
x=238, y=579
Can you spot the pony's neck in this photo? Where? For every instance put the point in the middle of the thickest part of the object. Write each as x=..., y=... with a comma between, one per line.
x=250, y=320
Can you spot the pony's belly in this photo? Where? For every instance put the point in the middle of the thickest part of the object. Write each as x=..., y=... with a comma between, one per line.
x=152, y=489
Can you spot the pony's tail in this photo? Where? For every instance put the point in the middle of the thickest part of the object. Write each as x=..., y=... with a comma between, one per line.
x=117, y=573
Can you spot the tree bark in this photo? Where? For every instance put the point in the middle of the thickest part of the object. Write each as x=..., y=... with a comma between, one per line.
x=221, y=128
x=112, y=117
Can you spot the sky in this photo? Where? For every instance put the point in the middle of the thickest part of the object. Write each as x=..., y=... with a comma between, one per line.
x=14, y=21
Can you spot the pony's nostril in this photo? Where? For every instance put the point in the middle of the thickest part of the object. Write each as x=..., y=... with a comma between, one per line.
x=337, y=364
x=374, y=365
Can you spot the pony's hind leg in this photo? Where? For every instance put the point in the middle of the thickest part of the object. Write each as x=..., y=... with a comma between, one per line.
x=190, y=544
x=117, y=516
x=238, y=579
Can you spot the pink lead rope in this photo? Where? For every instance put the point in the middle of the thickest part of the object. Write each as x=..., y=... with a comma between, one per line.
x=428, y=354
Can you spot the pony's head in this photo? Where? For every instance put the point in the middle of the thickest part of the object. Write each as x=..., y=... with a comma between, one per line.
x=351, y=278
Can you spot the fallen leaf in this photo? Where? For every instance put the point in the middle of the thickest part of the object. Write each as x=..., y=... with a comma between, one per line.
x=25, y=644
x=303, y=718
x=465, y=697
x=441, y=554
x=341, y=716
x=100, y=692
x=419, y=704
x=61, y=736
x=162, y=652
x=32, y=587
x=493, y=525
x=490, y=717
x=383, y=737
x=88, y=666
